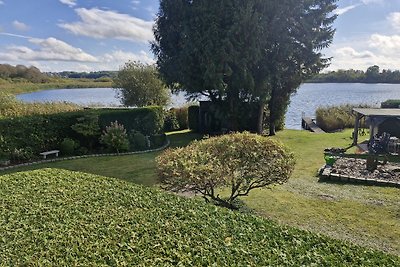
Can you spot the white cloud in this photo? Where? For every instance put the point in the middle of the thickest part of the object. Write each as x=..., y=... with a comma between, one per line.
x=70, y=3
x=103, y=24
x=352, y=53
x=387, y=45
x=1, y=2
x=20, y=26
x=394, y=19
x=343, y=10
x=117, y=58
x=48, y=49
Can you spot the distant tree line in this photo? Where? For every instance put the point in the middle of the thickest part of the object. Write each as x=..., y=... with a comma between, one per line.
x=84, y=75
x=372, y=75
x=21, y=72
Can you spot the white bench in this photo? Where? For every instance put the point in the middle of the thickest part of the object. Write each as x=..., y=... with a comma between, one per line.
x=46, y=153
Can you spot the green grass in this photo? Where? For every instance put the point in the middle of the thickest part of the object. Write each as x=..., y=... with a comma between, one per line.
x=366, y=215
x=60, y=218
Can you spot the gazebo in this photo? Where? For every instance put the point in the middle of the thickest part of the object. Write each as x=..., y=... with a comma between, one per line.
x=379, y=120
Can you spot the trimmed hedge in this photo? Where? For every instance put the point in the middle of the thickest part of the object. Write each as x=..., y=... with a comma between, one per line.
x=45, y=132
x=194, y=118
x=61, y=218
x=391, y=103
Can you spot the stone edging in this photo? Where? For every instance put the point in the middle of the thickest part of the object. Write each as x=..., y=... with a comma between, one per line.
x=86, y=156
x=325, y=173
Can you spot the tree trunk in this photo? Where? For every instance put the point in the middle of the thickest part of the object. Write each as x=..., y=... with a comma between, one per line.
x=272, y=130
x=260, y=126
x=272, y=113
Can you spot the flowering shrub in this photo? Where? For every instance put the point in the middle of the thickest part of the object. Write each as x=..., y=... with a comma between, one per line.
x=241, y=161
x=115, y=137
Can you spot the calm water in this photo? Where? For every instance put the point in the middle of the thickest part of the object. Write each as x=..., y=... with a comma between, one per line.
x=307, y=99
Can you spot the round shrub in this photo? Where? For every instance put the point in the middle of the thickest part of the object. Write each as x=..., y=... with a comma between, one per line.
x=240, y=161
x=138, y=141
x=68, y=146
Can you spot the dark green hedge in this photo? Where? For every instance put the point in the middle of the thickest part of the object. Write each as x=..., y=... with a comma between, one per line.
x=45, y=132
x=391, y=103
x=194, y=118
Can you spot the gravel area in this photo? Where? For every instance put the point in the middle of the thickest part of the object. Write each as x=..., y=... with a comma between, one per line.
x=357, y=168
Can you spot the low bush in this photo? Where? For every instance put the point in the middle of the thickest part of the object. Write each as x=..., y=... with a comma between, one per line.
x=336, y=117
x=138, y=141
x=115, y=137
x=240, y=161
x=61, y=218
x=68, y=146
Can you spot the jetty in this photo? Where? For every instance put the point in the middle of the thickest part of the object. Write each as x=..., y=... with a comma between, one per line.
x=308, y=123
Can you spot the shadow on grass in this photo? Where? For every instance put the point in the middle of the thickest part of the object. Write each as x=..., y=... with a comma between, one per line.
x=182, y=138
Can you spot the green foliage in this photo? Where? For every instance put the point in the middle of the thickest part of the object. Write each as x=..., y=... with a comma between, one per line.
x=58, y=217
x=245, y=51
x=140, y=85
x=148, y=120
x=115, y=137
x=88, y=125
x=242, y=162
x=19, y=155
x=171, y=122
x=46, y=132
x=138, y=141
x=182, y=117
x=391, y=103
x=31, y=74
x=194, y=118
x=337, y=117
x=68, y=146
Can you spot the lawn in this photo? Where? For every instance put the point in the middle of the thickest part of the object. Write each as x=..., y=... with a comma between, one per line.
x=365, y=215
x=54, y=217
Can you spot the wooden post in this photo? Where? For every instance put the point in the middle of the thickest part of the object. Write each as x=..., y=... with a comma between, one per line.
x=356, y=126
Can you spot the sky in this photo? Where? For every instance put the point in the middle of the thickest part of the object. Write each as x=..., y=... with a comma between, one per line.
x=88, y=35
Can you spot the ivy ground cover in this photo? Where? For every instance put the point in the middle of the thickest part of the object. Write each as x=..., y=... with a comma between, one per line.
x=59, y=217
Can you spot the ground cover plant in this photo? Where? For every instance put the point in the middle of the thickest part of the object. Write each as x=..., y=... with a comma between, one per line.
x=365, y=215
x=58, y=217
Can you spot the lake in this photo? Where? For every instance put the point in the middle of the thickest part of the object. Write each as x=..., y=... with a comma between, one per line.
x=307, y=99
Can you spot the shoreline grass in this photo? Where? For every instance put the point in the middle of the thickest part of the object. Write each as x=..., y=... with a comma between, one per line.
x=27, y=87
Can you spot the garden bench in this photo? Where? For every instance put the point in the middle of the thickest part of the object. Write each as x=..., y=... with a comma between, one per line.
x=46, y=153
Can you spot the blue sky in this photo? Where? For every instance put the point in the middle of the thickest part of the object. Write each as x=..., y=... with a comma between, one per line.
x=88, y=35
